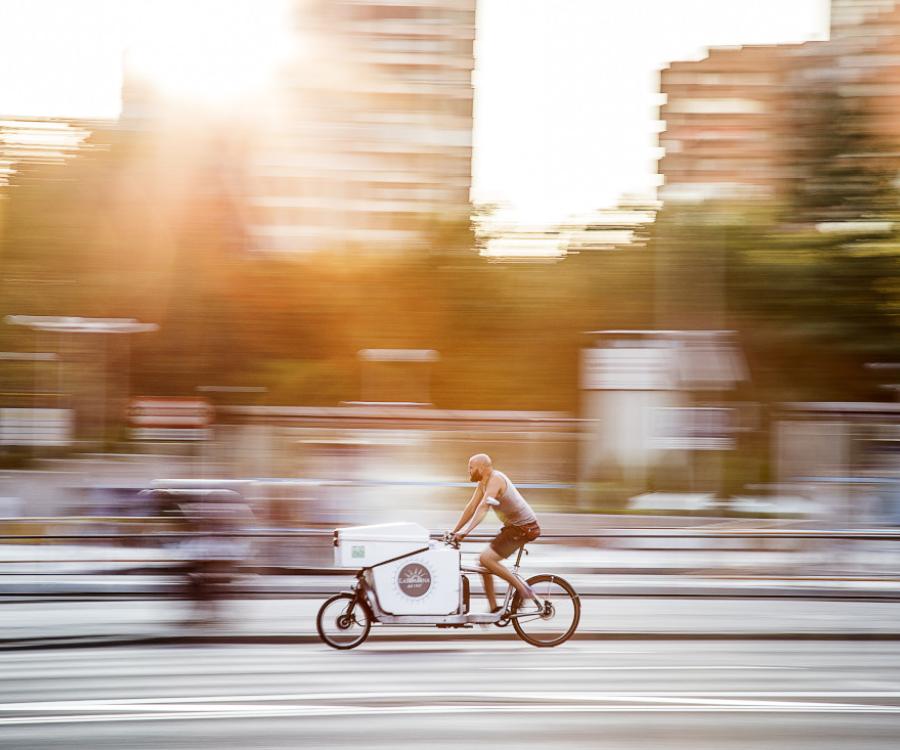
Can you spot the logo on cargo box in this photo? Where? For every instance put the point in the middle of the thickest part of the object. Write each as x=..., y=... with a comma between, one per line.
x=414, y=580
x=358, y=551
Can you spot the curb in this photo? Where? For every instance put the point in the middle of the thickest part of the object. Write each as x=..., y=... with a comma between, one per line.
x=55, y=592
x=101, y=641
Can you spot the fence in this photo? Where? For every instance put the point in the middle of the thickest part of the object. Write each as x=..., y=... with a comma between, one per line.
x=819, y=563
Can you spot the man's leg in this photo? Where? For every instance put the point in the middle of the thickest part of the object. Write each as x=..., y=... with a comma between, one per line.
x=488, y=579
x=492, y=561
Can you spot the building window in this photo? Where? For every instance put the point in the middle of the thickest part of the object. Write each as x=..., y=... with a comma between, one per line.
x=710, y=106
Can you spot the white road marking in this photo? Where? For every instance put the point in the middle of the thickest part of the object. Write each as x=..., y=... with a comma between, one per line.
x=249, y=706
x=635, y=668
x=226, y=712
x=283, y=666
x=580, y=695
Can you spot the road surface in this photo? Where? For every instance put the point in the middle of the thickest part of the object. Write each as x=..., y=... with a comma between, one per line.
x=703, y=695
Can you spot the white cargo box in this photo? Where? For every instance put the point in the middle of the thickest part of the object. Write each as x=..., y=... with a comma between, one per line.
x=422, y=584
x=364, y=546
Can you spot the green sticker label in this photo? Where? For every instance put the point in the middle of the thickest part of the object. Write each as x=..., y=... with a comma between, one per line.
x=358, y=551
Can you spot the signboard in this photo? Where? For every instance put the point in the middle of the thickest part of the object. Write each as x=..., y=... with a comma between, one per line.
x=692, y=428
x=627, y=368
x=35, y=427
x=154, y=418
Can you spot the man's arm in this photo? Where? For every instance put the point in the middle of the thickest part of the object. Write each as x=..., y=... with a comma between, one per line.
x=479, y=512
x=470, y=507
x=477, y=518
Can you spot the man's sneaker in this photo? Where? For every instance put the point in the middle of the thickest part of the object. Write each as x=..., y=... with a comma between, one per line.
x=530, y=607
x=493, y=611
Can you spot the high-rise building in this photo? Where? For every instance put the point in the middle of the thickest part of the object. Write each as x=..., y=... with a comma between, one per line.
x=39, y=140
x=848, y=13
x=746, y=122
x=723, y=119
x=370, y=138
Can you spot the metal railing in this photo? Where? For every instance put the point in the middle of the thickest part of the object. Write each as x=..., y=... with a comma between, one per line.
x=629, y=533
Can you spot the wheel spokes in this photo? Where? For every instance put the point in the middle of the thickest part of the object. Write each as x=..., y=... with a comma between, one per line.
x=557, y=619
x=344, y=623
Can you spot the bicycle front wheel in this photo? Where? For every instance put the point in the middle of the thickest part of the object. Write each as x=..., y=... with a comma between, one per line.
x=559, y=618
x=343, y=622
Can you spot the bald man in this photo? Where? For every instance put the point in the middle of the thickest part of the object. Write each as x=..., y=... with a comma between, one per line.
x=520, y=525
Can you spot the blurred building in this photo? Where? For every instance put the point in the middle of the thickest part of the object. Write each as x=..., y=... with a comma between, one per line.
x=746, y=122
x=724, y=124
x=847, y=13
x=28, y=141
x=626, y=225
x=371, y=136
x=658, y=401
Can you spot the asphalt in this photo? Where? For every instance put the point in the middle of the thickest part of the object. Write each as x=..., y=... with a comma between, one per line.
x=65, y=594
x=54, y=623
x=736, y=695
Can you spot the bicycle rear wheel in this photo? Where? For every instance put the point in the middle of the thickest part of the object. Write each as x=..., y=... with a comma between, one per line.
x=343, y=622
x=559, y=619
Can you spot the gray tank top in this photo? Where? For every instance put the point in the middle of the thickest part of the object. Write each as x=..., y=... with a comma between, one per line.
x=513, y=510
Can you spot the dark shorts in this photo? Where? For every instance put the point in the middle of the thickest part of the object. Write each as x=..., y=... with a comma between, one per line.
x=511, y=538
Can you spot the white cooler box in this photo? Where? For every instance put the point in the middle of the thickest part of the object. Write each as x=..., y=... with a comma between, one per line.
x=364, y=546
x=423, y=584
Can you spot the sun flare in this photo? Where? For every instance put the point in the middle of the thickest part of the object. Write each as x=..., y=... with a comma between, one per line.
x=216, y=51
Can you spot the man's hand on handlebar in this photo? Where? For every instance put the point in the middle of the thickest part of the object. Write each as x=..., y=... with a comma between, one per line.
x=452, y=538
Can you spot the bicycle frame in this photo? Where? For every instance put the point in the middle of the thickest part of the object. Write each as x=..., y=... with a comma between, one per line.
x=367, y=594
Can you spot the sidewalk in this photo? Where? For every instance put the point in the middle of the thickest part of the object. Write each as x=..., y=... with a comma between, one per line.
x=68, y=570
x=26, y=624
x=644, y=556
x=589, y=585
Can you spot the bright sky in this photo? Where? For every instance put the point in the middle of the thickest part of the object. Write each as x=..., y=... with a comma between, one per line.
x=565, y=89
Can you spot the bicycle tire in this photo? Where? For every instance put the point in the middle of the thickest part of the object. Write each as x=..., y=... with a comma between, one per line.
x=534, y=582
x=361, y=637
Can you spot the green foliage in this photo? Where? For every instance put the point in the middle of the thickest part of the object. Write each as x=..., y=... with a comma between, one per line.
x=845, y=171
x=812, y=309
x=124, y=231
x=134, y=229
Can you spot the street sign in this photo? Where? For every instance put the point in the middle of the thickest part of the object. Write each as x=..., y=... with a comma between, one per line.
x=157, y=418
x=704, y=428
x=35, y=427
x=627, y=368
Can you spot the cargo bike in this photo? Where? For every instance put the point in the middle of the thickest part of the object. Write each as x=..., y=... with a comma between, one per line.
x=405, y=578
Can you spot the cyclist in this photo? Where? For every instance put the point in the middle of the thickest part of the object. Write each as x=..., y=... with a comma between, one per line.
x=520, y=526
